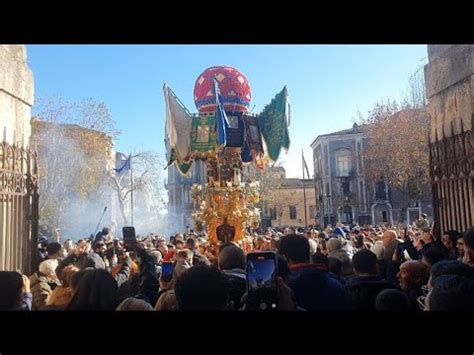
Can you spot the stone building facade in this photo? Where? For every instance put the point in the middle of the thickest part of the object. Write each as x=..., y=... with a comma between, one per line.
x=343, y=192
x=180, y=203
x=285, y=206
x=16, y=94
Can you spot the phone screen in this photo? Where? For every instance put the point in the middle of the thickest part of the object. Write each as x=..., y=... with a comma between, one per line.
x=261, y=280
x=167, y=271
x=129, y=234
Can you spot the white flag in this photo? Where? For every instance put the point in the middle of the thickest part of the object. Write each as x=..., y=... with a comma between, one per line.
x=178, y=124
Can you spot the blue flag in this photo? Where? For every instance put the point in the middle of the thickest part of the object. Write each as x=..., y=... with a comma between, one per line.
x=221, y=118
x=126, y=166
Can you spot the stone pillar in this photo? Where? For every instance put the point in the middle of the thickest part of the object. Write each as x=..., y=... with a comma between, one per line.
x=16, y=95
x=449, y=78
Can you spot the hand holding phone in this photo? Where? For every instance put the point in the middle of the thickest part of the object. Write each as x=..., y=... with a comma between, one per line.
x=167, y=268
x=129, y=237
x=262, y=286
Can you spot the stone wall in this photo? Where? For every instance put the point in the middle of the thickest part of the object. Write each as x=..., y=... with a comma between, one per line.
x=16, y=94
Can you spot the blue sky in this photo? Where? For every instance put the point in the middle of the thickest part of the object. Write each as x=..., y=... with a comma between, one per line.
x=327, y=84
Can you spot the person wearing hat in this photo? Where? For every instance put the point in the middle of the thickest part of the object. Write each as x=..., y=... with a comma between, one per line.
x=107, y=235
x=336, y=250
x=54, y=251
x=338, y=232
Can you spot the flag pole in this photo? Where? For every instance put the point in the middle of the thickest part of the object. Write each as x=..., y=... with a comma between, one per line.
x=131, y=189
x=315, y=197
x=304, y=190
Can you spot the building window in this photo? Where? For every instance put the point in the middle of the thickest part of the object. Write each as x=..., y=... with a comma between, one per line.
x=343, y=165
x=292, y=212
x=273, y=213
x=345, y=188
x=312, y=211
x=380, y=191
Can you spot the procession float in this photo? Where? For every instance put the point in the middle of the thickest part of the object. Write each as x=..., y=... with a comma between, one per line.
x=226, y=136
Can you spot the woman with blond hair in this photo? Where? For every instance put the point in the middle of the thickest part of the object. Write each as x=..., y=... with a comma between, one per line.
x=62, y=294
x=166, y=302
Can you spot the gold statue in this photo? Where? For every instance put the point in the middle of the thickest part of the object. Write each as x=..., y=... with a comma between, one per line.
x=225, y=232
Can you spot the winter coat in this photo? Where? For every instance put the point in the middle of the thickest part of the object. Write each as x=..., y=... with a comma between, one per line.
x=316, y=290
x=362, y=291
x=40, y=289
x=382, y=266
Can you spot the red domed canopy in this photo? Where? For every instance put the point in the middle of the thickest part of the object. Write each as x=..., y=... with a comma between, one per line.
x=233, y=85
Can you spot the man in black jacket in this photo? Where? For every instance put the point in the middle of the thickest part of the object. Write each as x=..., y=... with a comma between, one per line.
x=367, y=284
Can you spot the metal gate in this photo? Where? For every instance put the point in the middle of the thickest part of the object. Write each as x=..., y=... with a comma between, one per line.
x=452, y=174
x=18, y=208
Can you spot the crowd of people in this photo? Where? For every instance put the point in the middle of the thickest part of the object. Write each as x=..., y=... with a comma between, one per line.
x=336, y=269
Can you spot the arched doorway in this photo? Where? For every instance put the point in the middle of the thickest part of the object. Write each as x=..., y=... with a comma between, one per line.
x=346, y=214
x=382, y=213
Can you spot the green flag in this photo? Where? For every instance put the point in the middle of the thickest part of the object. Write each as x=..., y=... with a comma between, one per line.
x=274, y=121
x=183, y=167
x=203, y=133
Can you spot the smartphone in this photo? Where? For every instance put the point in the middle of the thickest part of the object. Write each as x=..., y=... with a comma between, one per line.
x=129, y=237
x=167, y=268
x=262, y=288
